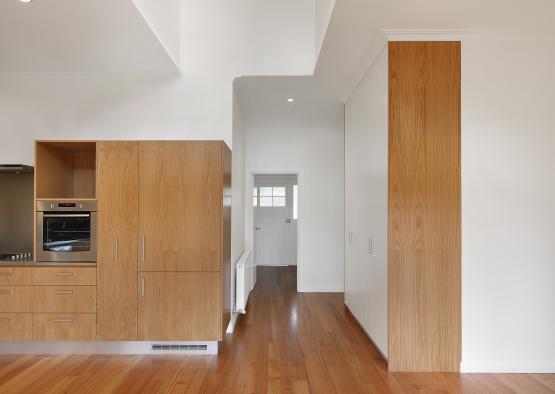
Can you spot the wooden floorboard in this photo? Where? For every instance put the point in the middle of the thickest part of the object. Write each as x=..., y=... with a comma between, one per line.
x=287, y=343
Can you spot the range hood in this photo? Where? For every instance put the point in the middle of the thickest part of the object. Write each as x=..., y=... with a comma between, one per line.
x=16, y=169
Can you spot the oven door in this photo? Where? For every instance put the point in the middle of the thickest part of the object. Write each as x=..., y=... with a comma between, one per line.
x=66, y=236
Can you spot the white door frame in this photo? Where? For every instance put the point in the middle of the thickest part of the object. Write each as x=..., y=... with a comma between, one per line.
x=250, y=229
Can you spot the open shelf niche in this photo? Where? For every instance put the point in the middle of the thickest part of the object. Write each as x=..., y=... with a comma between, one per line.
x=65, y=169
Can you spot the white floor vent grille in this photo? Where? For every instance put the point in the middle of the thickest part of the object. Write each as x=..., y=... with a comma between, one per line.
x=180, y=347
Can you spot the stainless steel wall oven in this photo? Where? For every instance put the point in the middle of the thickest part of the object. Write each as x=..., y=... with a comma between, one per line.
x=66, y=231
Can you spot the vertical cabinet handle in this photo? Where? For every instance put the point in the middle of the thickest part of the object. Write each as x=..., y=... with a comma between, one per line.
x=142, y=287
x=143, y=249
x=117, y=248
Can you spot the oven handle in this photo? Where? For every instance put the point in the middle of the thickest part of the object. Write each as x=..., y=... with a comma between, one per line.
x=66, y=215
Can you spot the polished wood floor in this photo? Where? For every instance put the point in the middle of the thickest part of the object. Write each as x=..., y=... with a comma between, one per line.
x=288, y=342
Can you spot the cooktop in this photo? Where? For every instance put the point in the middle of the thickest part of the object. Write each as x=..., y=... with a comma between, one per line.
x=21, y=257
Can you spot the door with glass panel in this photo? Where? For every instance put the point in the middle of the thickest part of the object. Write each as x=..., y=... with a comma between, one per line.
x=274, y=239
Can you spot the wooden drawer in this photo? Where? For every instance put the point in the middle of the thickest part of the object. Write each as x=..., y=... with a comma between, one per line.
x=16, y=327
x=79, y=276
x=64, y=327
x=64, y=299
x=16, y=298
x=11, y=276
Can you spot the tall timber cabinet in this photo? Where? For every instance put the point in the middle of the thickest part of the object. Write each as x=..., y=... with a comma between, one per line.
x=163, y=270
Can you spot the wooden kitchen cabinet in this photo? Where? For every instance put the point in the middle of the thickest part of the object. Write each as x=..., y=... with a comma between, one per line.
x=117, y=178
x=16, y=326
x=16, y=276
x=16, y=298
x=64, y=327
x=164, y=236
x=180, y=306
x=60, y=276
x=65, y=169
x=64, y=299
x=180, y=205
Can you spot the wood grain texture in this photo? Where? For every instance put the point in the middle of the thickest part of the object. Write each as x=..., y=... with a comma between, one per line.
x=64, y=327
x=424, y=206
x=84, y=174
x=118, y=199
x=53, y=173
x=16, y=327
x=64, y=299
x=65, y=170
x=226, y=237
x=287, y=342
x=180, y=205
x=16, y=298
x=60, y=276
x=13, y=276
x=180, y=306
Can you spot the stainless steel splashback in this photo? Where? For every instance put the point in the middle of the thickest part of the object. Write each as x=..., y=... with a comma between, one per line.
x=16, y=212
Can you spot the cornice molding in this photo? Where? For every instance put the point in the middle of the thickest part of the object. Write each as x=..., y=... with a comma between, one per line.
x=428, y=34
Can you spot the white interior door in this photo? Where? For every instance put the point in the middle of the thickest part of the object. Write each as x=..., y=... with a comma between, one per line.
x=272, y=220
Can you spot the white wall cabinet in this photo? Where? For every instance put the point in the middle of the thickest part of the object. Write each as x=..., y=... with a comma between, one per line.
x=366, y=146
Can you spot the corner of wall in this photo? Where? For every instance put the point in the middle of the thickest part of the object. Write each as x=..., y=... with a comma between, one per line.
x=164, y=20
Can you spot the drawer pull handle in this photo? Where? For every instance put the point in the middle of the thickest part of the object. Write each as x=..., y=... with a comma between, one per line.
x=4, y=291
x=4, y=273
x=63, y=321
x=64, y=273
x=64, y=291
x=4, y=320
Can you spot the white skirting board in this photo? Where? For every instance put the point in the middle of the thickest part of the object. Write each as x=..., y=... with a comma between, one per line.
x=507, y=368
x=116, y=347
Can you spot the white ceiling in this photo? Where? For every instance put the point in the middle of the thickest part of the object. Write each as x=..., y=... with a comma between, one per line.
x=354, y=36
x=78, y=36
x=264, y=100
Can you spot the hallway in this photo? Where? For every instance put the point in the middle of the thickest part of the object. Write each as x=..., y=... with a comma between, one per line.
x=288, y=342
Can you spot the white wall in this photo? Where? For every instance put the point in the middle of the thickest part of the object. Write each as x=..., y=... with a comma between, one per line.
x=309, y=142
x=220, y=40
x=247, y=37
x=238, y=191
x=366, y=191
x=508, y=216
x=163, y=17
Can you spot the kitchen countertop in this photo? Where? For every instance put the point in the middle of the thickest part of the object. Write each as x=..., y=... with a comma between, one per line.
x=43, y=264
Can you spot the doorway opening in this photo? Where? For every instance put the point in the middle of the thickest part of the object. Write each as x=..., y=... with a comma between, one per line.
x=275, y=219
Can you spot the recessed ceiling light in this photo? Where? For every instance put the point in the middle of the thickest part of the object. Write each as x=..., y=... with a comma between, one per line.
x=290, y=100
x=25, y=1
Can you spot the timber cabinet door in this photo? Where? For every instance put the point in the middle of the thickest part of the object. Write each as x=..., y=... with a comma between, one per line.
x=117, y=182
x=182, y=306
x=180, y=205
